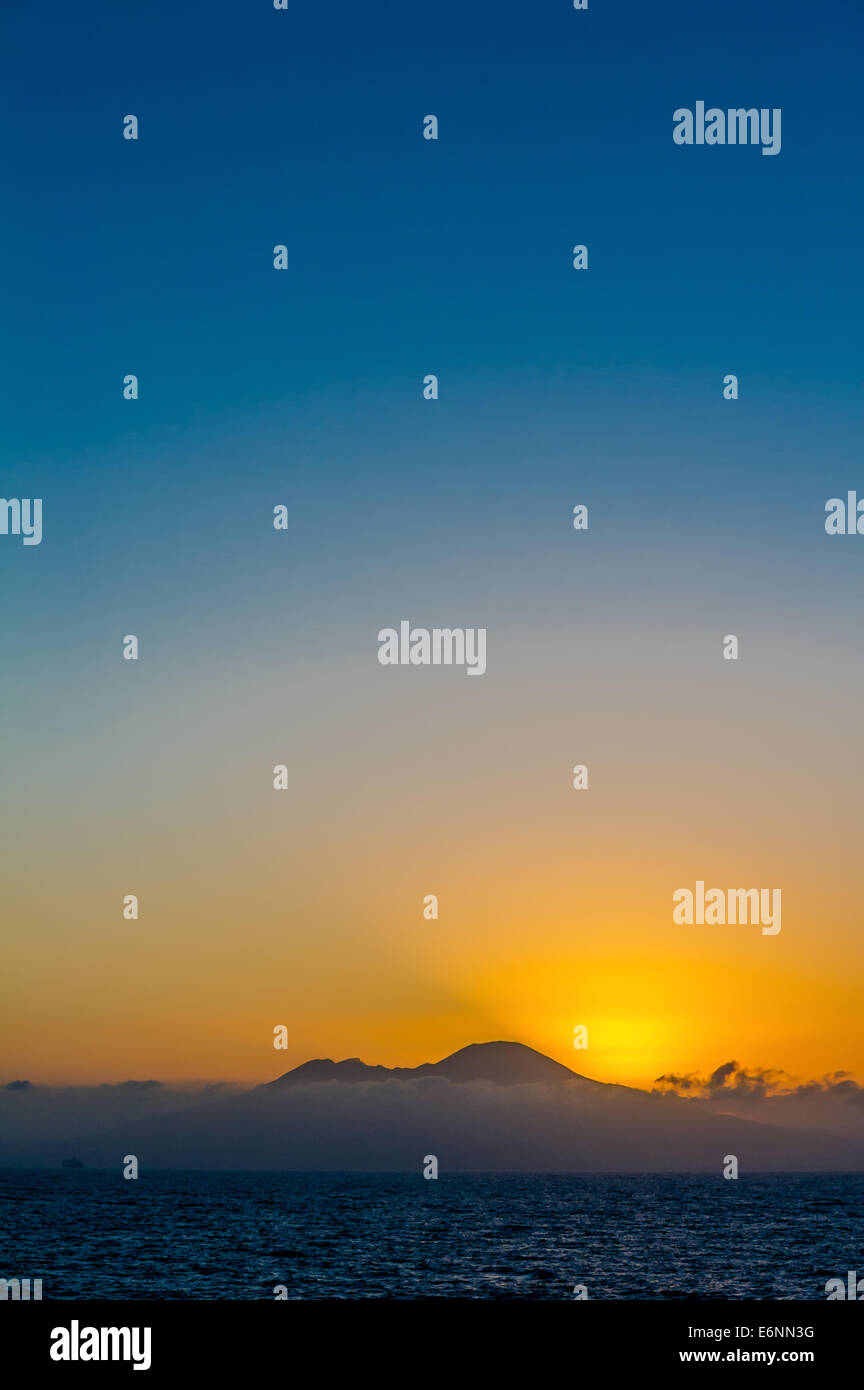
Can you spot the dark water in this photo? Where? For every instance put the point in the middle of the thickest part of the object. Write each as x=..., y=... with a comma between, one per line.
x=344, y=1235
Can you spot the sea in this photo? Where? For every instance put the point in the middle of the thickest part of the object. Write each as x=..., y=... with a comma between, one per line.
x=188, y=1235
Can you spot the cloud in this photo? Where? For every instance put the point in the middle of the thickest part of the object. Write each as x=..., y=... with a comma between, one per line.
x=479, y=1126
x=671, y=1082
x=732, y=1081
x=131, y=1085
x=33, y=1113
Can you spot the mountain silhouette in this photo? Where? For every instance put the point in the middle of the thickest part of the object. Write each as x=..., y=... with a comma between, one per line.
x=504, y=1063
x=489, y=1107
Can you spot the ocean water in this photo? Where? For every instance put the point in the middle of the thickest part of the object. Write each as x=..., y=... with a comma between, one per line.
x=174, y=1235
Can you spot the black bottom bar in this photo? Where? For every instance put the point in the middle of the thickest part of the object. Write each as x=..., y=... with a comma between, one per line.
x=422, y=1339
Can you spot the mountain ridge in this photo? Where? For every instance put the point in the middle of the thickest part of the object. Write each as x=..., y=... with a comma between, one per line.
x=501, y=1062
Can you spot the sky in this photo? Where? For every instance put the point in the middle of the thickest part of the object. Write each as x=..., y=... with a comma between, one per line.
x=304, y=387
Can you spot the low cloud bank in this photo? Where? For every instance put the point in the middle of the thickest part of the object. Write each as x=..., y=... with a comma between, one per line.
x=392, y=1125
x=31, y=1113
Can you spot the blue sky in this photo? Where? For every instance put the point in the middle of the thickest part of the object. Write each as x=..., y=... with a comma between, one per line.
x=303, y=127
x=406, y=257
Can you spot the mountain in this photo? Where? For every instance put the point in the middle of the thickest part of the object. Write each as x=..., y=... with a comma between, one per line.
x=503, y=1063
